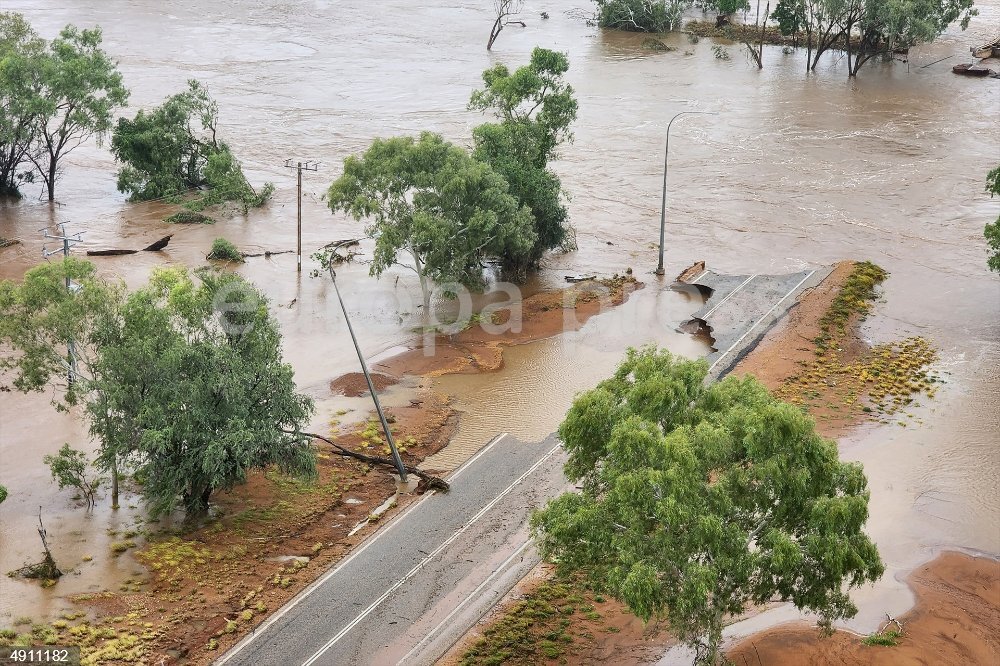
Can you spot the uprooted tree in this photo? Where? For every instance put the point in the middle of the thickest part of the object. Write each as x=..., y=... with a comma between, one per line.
x=431, y=202
x=174, y=148
x=533, y=107
x=700, y=501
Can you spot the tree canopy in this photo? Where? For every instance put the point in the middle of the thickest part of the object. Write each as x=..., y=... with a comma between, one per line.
x=54, y=96
x=637, y=15
x=534, y=108
x=182, y=381
x=174, y=148
x=698, y=501
x=429, y=199
x=993, y=229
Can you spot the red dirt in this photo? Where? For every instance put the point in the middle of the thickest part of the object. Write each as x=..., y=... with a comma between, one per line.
x=956, y=621
x=353, y=384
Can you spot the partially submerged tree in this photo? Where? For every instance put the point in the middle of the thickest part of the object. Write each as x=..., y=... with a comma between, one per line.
x=993, y=229
x=80, y=89
x=504, y=10
x=174, y=148
x=21, y=55
x=700, y=501
x=3, y=494
x=640, y=15
x=534, y=108
x=70, y=469
x=430, y=200
x=182, y=382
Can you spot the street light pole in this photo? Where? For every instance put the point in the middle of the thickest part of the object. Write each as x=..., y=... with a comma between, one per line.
x=397, y=461
x=663, y=205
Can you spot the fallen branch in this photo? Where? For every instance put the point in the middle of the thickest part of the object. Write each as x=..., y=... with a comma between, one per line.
x=46, y=569
x=158, y=245
x=430, y=480
x=266, y=253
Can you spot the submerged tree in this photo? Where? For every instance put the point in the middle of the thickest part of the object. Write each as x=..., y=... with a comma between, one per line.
x=80, y=89
x=432, y=201
x=181, y=381
x=504, y=9
x=639, y=15
x=700, y=501
x=21, y=55
x=993, y=229
x=174, y=148
x=534, y=108
x=70, y=469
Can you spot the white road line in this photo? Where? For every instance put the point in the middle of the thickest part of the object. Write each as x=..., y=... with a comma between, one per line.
x=412, y=572
x=728, y=296
x=757, y=323
x=320, y=581
x=470, y=597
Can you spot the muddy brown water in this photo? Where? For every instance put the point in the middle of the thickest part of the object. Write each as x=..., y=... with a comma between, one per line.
x=795, y=171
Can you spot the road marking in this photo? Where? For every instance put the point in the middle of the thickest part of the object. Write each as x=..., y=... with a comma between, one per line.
x=420, y=565
x=728, y=296
x=757, y=323
x=329, y=574
x=467, y=599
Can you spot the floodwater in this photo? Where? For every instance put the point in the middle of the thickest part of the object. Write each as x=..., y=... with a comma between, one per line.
x=795, y=171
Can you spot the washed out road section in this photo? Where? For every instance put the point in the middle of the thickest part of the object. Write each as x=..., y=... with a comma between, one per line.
x=742, y=308
x=377, y=605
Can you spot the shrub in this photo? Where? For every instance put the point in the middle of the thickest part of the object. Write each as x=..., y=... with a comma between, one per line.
x=189, y=217
x=224, y=250
x=635, y=15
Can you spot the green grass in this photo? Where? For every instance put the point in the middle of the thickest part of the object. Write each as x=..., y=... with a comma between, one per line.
x=855, y=297
x=883, y=638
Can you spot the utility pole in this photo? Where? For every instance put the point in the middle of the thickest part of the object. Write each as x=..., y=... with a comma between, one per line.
x=67, y=243
x=397, y=461
x=299, y=168
x=666, y=153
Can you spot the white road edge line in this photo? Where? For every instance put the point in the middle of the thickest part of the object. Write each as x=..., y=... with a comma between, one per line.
x=728, y=296
x=467, y=599
x=420, y=565
x=757, y=323
x=258, y=631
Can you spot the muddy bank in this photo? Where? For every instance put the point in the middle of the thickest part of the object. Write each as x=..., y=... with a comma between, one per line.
x=956, y=621
x=479, y=347
x=353, y=384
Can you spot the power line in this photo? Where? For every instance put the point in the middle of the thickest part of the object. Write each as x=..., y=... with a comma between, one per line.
x=71, y=287
x=300, y=167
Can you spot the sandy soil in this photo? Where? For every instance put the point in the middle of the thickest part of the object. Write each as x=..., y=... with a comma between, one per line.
x=956, y=621
x=781, y=353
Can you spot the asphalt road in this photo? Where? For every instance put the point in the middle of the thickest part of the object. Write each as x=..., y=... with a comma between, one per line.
x=412, y=589
x=742, y=308
x=409, y=591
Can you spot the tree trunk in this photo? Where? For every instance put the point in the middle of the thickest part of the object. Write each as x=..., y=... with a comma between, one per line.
x=114, y=484
x=424, y=286
x=495, y=32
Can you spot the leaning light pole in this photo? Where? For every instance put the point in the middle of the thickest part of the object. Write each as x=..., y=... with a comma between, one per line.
x=663, y=205
x=371, y=387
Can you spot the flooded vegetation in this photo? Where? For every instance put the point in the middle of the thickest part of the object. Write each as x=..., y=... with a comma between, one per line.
x=797, y=170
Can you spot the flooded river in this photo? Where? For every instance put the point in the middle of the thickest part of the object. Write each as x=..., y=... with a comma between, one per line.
x=795, y=171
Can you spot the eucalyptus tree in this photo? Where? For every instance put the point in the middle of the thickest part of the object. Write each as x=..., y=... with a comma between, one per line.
x=21, y=54
x=181, y=381
x=80, y=89
x=533, y=107
x=993, y=229
x=430, y=201
x=698, y=501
